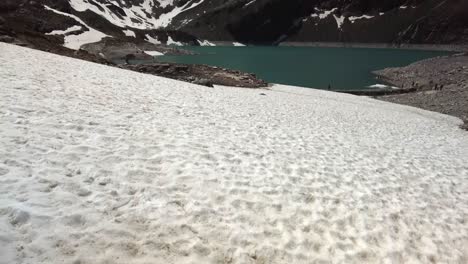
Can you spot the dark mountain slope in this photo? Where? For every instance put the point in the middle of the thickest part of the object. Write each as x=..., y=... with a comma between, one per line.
x=247, y=21
x=270, y=21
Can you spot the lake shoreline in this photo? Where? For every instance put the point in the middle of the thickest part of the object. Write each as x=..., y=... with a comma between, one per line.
x=329, y=69
x=200, y=74
x=432, y=47
x=438, y=84
x=107, y=51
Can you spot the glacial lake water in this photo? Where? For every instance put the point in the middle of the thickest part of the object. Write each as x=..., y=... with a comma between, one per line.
x=315, y=67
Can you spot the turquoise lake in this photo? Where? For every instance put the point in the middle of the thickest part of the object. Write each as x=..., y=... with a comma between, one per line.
x=341, y=68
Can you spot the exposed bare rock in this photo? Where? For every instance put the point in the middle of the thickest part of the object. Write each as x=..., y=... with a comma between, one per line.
x=442, y=85
x=117, y=49
x=200, y=74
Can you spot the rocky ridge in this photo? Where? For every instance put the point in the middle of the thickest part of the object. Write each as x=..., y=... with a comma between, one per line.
x=441, y=85
x=181, y=22
x=200, y=74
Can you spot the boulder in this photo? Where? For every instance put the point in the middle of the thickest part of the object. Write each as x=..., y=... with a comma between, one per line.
x=465, y=125
x=204, y=82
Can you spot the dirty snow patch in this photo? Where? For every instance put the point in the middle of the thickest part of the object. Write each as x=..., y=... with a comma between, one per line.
x=154, y=53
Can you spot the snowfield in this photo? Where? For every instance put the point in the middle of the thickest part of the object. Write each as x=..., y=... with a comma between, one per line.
x=103, y=165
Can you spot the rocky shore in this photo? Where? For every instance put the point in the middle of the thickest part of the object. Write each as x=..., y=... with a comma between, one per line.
x=111, y=49
x=406, y=46
x=200, y=74
x=106, y=51
x=440, y=84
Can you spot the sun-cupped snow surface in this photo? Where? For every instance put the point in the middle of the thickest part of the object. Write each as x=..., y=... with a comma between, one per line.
x=103, y=165
x=76, y=41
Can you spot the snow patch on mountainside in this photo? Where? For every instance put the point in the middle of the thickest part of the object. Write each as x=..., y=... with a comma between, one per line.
x=129, y=33
x=339, y=20
x=170, y=41
x=165, y=19
x=66, y=31
x=249, y=3
x=322, y=14
x=354, y=18
x=165, y=3
x=76, y=41
x=238, y=44
x=137, y=16
x=150, y=39
x=206, y=43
